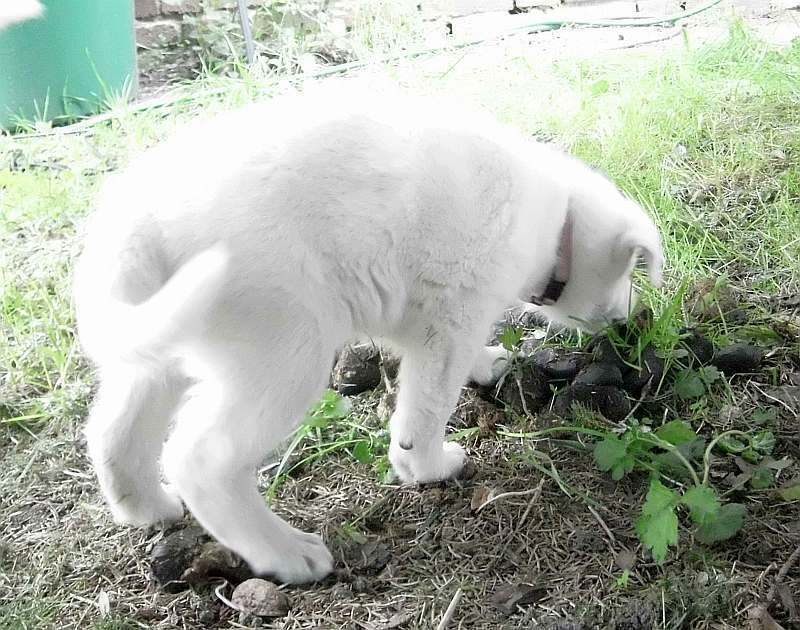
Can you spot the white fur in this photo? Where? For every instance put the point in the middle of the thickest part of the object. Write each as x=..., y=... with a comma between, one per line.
x=225, y=267
x=13, y=11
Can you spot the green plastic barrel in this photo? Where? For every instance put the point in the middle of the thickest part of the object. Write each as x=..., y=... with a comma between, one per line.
x=73, y=61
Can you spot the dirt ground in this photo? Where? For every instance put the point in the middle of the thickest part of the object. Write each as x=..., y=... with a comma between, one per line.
x=537, y=556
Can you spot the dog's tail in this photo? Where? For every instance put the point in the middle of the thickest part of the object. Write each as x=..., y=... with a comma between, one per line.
x=110, y=327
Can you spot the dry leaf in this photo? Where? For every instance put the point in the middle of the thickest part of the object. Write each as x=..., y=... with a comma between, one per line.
x=508, y=597
x=480, y=496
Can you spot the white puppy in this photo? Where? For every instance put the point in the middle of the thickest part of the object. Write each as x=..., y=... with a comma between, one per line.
x=225, y=267
x=14, y=11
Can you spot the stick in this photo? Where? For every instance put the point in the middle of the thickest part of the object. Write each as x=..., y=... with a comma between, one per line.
x=503, y=495
x=537, y=493
x=451, y=609
x=787, y=566
x=602, y=524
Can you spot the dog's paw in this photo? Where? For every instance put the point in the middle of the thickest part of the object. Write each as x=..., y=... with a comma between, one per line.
x=305, y=558
x=163, y=507
x=422, y=467
x=490, y=365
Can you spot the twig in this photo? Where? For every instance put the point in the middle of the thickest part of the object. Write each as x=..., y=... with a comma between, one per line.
x=788, y=407
x=522, y=397
x=536, y=494
x=504, y=495
x=644, y=393
x=223, y=599
x=602, y=524
x=451, y=609
x=787, y=566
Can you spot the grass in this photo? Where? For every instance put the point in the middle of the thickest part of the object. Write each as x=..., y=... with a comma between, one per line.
x=707, y=139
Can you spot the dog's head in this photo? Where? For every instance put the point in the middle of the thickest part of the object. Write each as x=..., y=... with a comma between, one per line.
x=591, y=284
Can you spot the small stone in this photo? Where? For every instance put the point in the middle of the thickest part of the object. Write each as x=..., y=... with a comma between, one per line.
x=608, y=400
x=559, y=364
x=599, y=374
x=738, y=358
x=261, y=598
x=173, y=555
x=357, y=370
x=652, y=370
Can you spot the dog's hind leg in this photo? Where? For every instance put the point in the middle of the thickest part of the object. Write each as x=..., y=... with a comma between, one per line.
x=254, y=394
x=125, y=435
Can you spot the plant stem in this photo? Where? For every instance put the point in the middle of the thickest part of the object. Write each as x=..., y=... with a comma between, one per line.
x=713, y=443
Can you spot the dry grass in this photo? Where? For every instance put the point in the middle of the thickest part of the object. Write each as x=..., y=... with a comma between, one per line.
x=61, y=557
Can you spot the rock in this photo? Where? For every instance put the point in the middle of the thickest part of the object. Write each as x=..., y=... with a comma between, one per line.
x=738, y=358
x=357, y=369
x=529, y=382
x=216, y=560
x=609, y=400
x=652, y=370
x=173, y=555
x=599, y=374
x=699, y=346
x=559, y=364
x=261, y=598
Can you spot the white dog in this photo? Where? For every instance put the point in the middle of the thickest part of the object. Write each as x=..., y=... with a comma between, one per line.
x=14, y=11
x=225, y=267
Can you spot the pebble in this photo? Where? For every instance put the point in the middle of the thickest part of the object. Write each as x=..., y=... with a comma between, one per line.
x=261, y=598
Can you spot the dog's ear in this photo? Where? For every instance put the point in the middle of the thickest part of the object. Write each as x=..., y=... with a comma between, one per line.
x=642, y=241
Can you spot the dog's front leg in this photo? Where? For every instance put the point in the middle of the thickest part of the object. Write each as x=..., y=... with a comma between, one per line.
x=431, y=377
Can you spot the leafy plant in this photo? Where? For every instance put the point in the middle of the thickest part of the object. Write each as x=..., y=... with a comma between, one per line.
x=319, y=430
x=693, y=383
x=511, y=337
x=674, y=444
